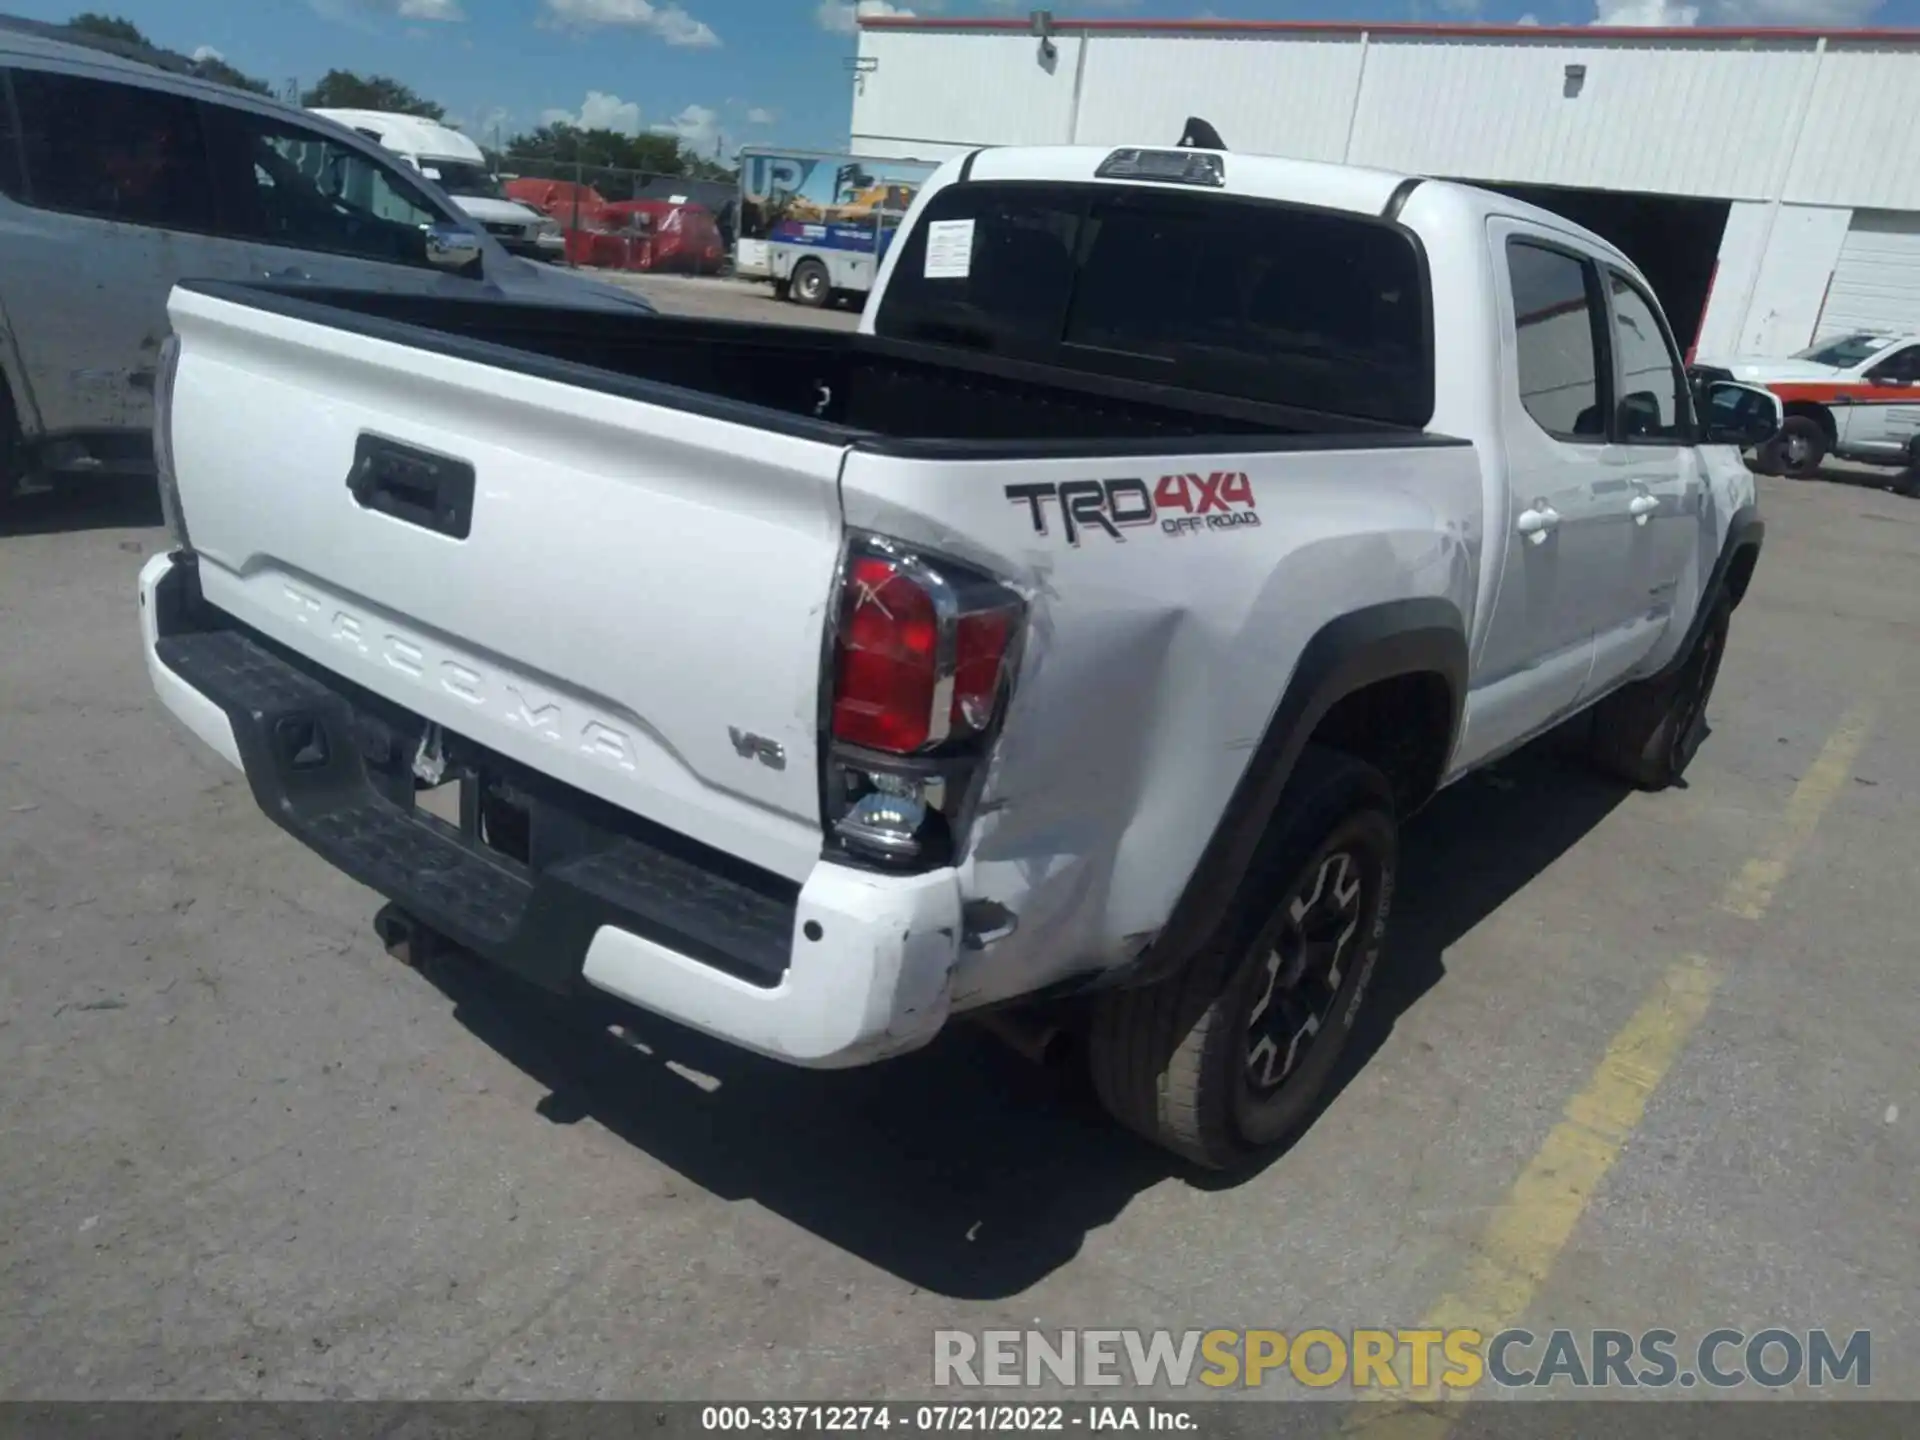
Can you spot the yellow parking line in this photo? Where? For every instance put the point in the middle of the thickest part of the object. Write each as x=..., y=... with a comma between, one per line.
x=1752, y=889
x=1532, y=1224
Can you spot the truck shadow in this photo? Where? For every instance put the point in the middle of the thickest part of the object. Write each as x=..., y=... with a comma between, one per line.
x=964, y=1169
x=99, y=503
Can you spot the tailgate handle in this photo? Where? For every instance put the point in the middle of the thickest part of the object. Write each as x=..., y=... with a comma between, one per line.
x=412, y=485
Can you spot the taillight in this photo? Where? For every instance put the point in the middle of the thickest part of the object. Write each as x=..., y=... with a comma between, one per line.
x=887, y=665
x=166, y=367
x=922, y=658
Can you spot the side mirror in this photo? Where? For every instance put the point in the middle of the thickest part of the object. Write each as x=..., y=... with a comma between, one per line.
x=451, y=247
x=1639, y=413
x=1742, y=415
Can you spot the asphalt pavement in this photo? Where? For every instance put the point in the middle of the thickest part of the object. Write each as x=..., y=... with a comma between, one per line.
x=244, y=1153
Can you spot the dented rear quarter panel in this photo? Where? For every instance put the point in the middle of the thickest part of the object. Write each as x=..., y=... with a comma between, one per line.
x=1154, y=661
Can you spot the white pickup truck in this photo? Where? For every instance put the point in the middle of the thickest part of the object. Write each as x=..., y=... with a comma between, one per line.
x=1068, y=644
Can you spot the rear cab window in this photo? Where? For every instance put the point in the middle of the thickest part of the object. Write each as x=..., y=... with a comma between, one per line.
x=1289, y=305
x=112, y=151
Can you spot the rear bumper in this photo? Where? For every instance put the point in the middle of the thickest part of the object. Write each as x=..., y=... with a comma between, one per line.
x=844, y=969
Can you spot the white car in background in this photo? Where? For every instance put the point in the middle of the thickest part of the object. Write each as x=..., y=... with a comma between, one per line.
x=1854, y=396
x=458, y=166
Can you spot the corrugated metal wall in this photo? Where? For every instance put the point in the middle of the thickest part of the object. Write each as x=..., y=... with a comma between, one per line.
x=1670, y=119
x=965, y=89
x=1710, y=117
x=1297, y=92
x=1861, y=142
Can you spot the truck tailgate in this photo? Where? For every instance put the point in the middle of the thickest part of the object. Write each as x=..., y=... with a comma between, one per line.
x=624, y=597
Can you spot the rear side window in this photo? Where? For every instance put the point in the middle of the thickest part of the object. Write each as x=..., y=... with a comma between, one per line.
x=1267, y=302
x=118, y=152
x=1559, y=360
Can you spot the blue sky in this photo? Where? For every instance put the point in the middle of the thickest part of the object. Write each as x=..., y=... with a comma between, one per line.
x=733, y=72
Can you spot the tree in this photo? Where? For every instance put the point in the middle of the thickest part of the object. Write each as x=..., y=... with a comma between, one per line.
x=344, y=90
x=221, y=73
x=125, y=32
x=570, y=145
x=108, y=27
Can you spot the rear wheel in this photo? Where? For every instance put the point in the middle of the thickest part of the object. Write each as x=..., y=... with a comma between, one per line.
x=1648, y=733
x=809, y=286
x=1908, y=480
x=1228, y=1057
x=1797, y=450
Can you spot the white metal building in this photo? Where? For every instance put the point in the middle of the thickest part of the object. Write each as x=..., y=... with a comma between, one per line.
x=1768, y=181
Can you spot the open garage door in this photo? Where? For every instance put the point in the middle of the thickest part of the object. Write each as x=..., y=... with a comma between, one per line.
x=1876, y=284
x=1674, y=239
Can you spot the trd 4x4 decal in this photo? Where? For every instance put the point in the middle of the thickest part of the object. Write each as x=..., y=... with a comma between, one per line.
x=1178, y=504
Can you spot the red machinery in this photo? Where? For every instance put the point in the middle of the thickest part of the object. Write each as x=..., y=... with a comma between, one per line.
x=664, y=235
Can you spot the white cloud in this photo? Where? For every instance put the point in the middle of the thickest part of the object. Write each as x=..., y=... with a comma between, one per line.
x=669, y=22
x=760, y=115
x=203, y=53
x=599, y=111
x=677, y=27
x=1528, y=19
x=355, y=12
x=1656, y=14
x=842, y=16
x=695, y=127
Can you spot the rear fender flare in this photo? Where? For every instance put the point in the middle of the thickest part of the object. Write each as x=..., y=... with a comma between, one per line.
x=1399, y=637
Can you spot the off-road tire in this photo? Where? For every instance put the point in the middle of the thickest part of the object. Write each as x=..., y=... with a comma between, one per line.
x=1907, y=482
x=1172, y=1060
x=1647, y=733
x=1802, y=431
x=811, y=286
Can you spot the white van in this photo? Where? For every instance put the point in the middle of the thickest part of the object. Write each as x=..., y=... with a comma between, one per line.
x=458, y=166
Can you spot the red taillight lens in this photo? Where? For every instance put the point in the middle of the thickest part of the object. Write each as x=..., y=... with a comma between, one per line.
x=888, y=651
x=980, y=650
x=903, y=622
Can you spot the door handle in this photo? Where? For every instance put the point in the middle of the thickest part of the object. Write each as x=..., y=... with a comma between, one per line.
x=1538, y=521
x=289, y=273
x=1641, y=506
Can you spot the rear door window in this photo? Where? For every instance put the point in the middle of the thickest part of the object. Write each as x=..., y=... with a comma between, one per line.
x=1289, y=305
x=113, y=151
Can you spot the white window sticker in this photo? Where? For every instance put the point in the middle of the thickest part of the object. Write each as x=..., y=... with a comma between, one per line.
x=949, y=249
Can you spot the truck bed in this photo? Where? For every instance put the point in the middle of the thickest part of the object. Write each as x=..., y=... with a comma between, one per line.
x=878, y=394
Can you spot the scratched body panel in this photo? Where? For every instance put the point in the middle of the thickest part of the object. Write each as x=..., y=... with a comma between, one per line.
x=1170, y=601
